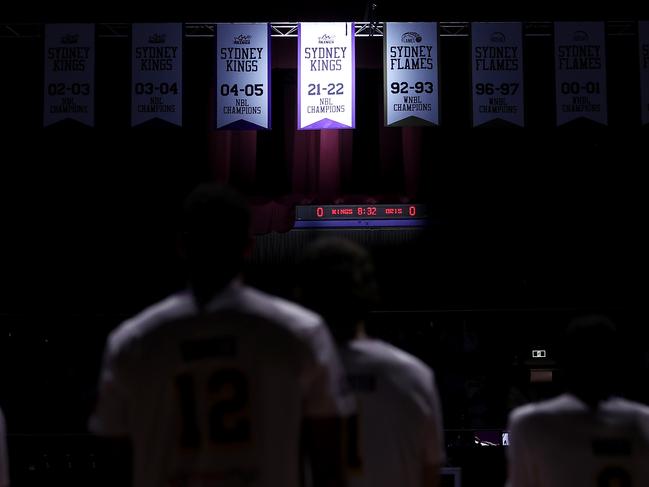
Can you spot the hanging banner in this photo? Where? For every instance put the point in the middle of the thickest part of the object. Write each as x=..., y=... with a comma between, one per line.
x=410, y=74
x=580, y=71
x=326, y=73
x=69, y=87
x=497, y=57
x=242, y=76
x=157, y=69
x=643, y=36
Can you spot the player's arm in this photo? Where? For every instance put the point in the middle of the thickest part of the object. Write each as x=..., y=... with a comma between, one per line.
x=519, y=461
x=434, y=449
x=327, y=400
x=109, y=420
x=4, y=458
x=322, y=440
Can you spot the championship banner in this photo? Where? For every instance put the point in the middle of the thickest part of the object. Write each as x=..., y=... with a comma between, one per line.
x=497, y=58
x=242, y=76
x=580, y=71
x=410, y=74
x=326, y=73
x=69, y=87
x=643, y=36
x=157, y=69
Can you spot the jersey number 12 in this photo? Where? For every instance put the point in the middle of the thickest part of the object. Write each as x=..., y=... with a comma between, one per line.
x=227, y=421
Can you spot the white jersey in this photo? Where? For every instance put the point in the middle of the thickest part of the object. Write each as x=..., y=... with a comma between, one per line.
x=398, y=426
x=4, y=458
x=562, y=443
x=217, y=398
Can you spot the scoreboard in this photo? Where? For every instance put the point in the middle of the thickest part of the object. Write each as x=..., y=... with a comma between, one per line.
x=397, y=215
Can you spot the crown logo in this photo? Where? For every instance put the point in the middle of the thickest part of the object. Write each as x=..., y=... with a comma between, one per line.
x=242, y=39
x=157, y=38
x=326, y=39
x=70, y=39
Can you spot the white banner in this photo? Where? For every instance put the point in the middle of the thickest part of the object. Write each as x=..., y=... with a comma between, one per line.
x=69, y=87
x=410, y=74
x=157, y=70
x=326, y=73
x=497, y=57
x=580, y=71
x=643, y=36
x=242, y=76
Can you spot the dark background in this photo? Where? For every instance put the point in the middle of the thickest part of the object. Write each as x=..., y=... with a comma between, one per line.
x=256, y=10
x=531, y=226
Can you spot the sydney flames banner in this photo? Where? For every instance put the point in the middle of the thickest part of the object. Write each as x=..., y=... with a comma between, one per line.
x=157, y=68
x=242, y=76
x=410, y=74
x=497, y=67
x=580, y=71
x=643, y=36
x=69, y=73
x=326, y=67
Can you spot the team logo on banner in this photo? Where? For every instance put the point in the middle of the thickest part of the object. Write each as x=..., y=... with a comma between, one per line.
x=580, y=69
x=69, y=73
x=242, y=76
x=410, y=74
x=643, y=36
x=326, y=65
x=157, y=66
x=497, y=57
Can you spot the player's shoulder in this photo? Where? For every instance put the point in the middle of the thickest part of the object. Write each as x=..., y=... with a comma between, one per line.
x=555, y=407
x=175, y=306
x=625, y=406
x=385, y=355
x=282, y=312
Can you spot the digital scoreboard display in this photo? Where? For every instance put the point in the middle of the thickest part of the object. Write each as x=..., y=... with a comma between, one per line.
x=360, y=215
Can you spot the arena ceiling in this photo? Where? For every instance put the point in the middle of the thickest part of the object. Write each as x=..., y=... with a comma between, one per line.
x=310, y=10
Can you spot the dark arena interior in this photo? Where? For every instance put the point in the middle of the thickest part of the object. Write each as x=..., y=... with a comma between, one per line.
x=526, y=227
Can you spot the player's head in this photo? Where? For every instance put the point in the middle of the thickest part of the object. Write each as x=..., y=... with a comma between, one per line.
x=590, y=357
x=336, y=279
x=214, y=233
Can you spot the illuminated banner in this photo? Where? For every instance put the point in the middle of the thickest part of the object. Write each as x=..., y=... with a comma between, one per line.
x=157, y=68
x=497, y=57
x=326, y=65
x=69, y=73
x=410, y=74
x=580, y=70
x=643, y=35
x=242, y=76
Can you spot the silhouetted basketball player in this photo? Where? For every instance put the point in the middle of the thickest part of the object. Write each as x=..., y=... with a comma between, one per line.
x=215, y=385
x=586, y=436
x=396, y=438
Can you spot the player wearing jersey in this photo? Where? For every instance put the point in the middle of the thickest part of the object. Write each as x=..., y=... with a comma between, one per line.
x=587, y=436
x=396, y=438
x=215, y=386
